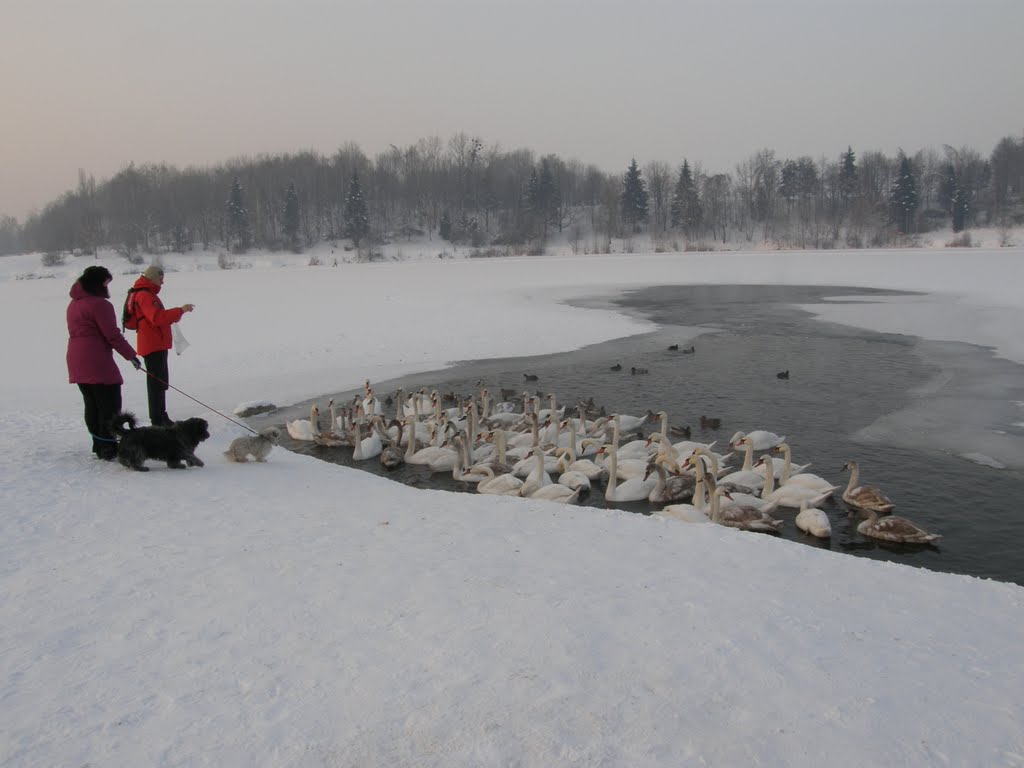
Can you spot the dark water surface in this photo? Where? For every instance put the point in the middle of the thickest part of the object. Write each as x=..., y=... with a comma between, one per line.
x=848, y=390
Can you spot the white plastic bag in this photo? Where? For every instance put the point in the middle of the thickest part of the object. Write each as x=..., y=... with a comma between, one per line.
x=180, y=342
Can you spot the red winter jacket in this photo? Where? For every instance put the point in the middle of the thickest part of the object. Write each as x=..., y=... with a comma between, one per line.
x=154, y=321
x=92, y=336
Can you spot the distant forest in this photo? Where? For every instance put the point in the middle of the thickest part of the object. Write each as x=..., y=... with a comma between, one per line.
x=468, y=192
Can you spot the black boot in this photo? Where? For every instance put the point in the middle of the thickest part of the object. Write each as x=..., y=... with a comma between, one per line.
x=104, y=450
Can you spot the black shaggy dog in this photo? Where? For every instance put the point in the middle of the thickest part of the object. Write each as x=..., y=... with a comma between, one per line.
x=173, y=444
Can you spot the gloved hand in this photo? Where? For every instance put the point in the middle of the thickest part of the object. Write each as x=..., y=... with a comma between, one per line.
x=137, y=363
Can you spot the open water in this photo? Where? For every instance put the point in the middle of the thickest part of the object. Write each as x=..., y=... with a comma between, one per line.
x=909, y=410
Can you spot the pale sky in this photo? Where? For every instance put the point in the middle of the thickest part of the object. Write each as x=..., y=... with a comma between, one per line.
x=97, y=84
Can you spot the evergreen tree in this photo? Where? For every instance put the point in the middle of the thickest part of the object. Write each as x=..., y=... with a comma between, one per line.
x=959, y=207
x=634, y=197
x=849, y=184
x=357, y=213
x=903, y=197
x=789, y=184
x=954, y=196
x=291, y=217
x=444, y=228
x=686, y=211
x=238, y=217
x=543, y=198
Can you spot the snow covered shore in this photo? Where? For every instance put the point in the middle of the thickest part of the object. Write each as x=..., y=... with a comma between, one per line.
x=301, y=614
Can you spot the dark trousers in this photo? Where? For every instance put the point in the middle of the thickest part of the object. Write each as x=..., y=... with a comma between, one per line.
x=102, y=402
x=156, y=364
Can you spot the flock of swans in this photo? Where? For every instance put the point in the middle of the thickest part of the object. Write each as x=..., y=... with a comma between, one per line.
x=520, y=449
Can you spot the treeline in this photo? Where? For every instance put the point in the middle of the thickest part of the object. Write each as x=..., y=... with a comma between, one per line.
x=467, y=191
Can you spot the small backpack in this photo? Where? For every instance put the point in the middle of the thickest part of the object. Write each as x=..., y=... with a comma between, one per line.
x=129, y=319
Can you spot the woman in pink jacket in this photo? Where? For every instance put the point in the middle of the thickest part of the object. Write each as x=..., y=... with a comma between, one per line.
x=93, y=336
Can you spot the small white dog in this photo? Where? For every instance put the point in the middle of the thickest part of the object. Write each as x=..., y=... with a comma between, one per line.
x=257, y=446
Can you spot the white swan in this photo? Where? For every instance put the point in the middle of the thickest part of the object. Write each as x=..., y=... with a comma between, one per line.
x=500, y=485
x=634, y=489
x=560, y=494
x=747, y=479
x=369, y=447
x=571, y=478
x=791, y=495
x=699, y=460
x=798, y=477
x=524, y=467
x=866, y=497
x=475, y=475
x=778, y=465
x=761, y=439
x=634, y=449
x=717, y=460
x=555, y=414
x=813, y=521
x=897, y=529
x=417, y=403
x=424, y=456
x=301, y=429
x=688, y=513
x=626, y=469
x=628, y=423
x=592, y=470
x=445, y=459
x=497, y=461
x=538, y=477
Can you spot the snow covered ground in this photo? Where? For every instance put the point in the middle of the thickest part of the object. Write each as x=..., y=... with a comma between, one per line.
x=297, y=613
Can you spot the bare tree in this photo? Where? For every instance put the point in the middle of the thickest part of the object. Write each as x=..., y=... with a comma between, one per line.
x=659, y=186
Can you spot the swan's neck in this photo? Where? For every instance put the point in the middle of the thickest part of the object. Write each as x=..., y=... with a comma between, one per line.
x=698, y=468
x=572, y=440
x=500, y=440
x=786, y=464
x=715, y=503
x=748, y=456
x=410, y=448
x=358, y=452
x=659, y=487
x=613, y=471
x=664, y=425
x=489, y=476
x=769, y=477
x=711, y=458
x=698, y=494
x=854, y=478
x=539, y=458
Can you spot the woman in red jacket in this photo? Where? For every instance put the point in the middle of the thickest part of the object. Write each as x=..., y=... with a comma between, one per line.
x=154, y=339
x=92, y=338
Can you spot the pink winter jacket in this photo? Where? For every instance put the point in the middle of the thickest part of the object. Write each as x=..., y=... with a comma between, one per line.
x=93, y=335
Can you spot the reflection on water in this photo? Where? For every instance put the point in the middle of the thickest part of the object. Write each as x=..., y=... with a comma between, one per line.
x=850, y=394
